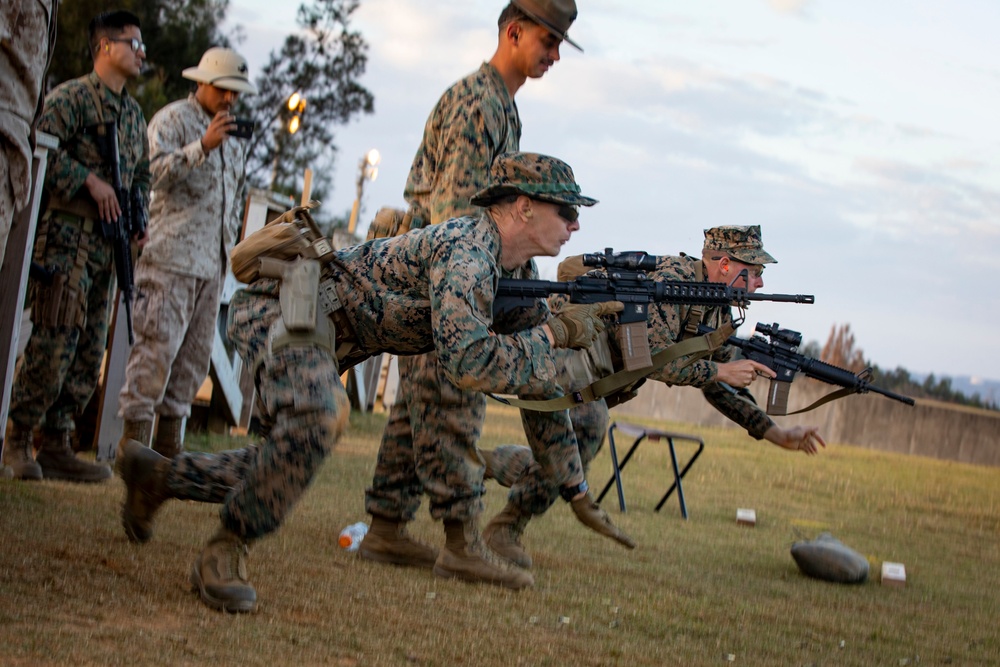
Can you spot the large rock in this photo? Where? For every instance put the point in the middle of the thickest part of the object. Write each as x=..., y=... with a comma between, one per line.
x=829, y=559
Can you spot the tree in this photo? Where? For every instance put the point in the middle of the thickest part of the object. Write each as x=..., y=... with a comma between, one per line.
x=840, y=350
x=176, y=33
x=322, y=65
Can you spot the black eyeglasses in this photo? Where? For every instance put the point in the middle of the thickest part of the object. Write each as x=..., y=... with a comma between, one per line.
x=568, y=213
x=133, y=43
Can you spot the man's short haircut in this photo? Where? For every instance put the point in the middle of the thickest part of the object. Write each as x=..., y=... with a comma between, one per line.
x=510, y=14
x=109, y=24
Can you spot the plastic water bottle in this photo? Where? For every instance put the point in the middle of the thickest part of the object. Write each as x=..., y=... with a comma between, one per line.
x=350, y=537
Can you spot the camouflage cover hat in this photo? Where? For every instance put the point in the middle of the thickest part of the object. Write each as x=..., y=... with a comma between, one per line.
x=531, y=174
x=742, y=243
x=556, y=16
x=222, y=68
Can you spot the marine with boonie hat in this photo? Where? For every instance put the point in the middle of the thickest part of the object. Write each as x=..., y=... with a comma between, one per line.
x=195, y=217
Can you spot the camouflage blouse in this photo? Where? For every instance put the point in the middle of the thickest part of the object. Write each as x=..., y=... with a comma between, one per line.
x=70, y=116
x=474, y=121
x=433, y=288
x=195, y=213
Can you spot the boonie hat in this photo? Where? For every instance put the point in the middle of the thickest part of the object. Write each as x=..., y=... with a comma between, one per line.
x=223, y=68
x=554, y=15
x=742, y=243
x=533, y=175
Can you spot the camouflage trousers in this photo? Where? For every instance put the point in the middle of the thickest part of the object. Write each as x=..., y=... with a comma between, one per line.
x=514, y=465
x=429, y=446
x=300, y=395
x=62, y=362
x=175, y=320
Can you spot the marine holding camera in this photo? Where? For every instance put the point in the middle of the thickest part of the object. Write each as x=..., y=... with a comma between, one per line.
x=199, y=171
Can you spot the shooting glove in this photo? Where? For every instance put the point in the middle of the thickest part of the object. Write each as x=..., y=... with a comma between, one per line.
x=577, y=325
x=389, y=222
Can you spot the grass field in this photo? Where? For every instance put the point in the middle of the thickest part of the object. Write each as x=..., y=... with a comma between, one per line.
x=698, y=592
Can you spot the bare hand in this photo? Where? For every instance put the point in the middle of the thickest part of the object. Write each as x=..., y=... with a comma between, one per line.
x=218, y=130
x=104, y=195
x=741, y=373
x=141, y=239
x=797, y=439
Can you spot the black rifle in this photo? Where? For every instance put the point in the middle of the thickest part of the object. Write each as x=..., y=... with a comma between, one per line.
x=625, y=280
x=132, y=220
x=779, y=353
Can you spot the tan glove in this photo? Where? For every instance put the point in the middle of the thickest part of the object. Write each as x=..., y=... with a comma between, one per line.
x=389, y=222
x=592, y=516
x=577, y=325
x=571, y=268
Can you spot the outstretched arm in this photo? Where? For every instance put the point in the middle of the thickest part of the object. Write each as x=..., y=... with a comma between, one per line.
x=797, y=439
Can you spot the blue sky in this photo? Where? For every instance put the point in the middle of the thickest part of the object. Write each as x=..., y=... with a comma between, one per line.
x=863, y=137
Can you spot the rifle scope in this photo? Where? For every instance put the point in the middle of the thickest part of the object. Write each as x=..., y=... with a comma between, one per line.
x=634, y=260
x=776, y=333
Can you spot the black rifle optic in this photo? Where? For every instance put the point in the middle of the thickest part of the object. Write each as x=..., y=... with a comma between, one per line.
x=131, y=222
x=625, y=280
x=779, y=353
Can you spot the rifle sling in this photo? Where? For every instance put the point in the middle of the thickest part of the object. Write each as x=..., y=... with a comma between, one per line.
x=832, y=396
x=697, y=348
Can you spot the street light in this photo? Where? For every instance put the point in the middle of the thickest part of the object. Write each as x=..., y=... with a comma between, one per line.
x=367, y=171
x=296, y=107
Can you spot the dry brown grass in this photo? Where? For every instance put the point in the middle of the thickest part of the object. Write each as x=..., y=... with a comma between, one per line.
x=74, y=591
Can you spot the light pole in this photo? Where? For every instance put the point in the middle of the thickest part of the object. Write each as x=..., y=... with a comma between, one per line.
x=367, y=171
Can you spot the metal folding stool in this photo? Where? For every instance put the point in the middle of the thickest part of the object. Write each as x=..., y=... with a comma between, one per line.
x=641, y=433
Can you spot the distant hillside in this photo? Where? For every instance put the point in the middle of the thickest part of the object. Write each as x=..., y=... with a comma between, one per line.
x=988, y=390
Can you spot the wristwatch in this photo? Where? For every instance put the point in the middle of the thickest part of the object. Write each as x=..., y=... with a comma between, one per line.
x=568, y=493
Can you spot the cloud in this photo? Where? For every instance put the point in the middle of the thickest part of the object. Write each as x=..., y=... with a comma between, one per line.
x=794, y=7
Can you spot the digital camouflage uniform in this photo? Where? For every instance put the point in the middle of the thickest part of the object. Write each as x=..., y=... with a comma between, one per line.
x=430, y=288
x=194, y=222
x=666, y=325
x=27, y=39
x=63, y=358
x=429, y=442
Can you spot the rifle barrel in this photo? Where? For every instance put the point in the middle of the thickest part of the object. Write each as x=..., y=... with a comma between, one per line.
x=891, y=394
x=783, y=298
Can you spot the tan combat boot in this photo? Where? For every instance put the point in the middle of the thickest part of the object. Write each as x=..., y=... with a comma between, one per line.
x=389, y=542
x=169, y=432
x=145, y=475
x=219, y=574
x=465, y=557
x=18, y=453
x=592, y=516
x=503, y=535
x=56, y=458
x=140, y=430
